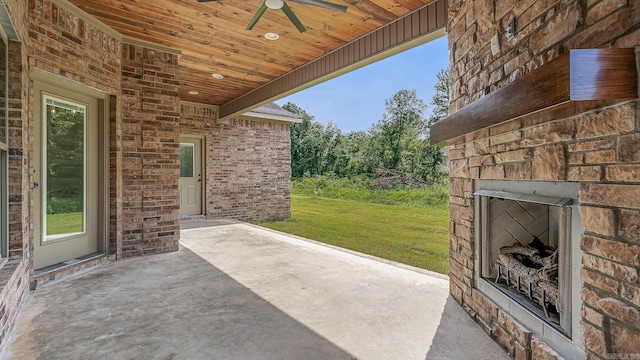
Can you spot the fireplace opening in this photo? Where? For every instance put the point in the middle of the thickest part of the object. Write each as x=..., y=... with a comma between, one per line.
x=529, y=232
x=525, y=252
x=527, y=256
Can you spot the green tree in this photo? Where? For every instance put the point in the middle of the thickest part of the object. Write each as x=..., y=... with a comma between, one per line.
x=440, y=103
x=398, y=144
x=341, y=149
x=401, y=139
x=357, y=146
x=402, y=124
x=440, y=99
x=308, y=144
x=65, y=160
x=429, y=161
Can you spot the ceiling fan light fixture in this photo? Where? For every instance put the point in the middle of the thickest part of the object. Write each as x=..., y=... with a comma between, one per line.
x=274, y=4
x=271, y=36
x=281, y=4
x=217, y=76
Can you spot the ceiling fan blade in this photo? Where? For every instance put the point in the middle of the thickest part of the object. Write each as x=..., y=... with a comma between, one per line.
x=256, y=17
x=294, y=19
x=323, y=4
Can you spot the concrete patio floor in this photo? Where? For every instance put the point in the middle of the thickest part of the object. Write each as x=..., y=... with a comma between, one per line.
x=238, y=291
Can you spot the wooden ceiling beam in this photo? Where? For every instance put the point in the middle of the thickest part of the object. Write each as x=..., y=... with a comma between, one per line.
x=425, y=24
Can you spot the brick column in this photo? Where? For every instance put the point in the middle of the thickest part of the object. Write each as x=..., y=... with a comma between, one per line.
x=150, y=142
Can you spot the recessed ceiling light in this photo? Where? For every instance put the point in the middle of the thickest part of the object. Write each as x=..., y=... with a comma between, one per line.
x=271, y=36
x=217, y=76
x=193, y=92
x=274, y=4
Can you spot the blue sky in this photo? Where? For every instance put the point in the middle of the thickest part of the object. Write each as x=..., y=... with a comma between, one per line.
x=355, y=100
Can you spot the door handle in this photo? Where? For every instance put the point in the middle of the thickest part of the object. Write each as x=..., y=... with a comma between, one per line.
x=35, y=184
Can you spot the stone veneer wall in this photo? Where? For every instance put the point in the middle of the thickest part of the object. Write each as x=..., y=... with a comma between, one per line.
x=248, y=165
x=599, y=149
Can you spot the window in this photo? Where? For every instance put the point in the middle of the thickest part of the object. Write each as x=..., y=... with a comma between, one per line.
x=65, y=168
x=186, y=160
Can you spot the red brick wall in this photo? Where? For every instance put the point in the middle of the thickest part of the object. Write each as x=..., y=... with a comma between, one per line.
x=14, y=275
x=144, y=135
x=19, y=150
x=248, y=162
x=143, y=124
x=150, y=141
x=63, y=44
x=598, y=149
x=248, y=165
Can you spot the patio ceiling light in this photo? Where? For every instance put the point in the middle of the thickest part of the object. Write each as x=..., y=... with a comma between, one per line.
x=271, y=36
x=274, y=4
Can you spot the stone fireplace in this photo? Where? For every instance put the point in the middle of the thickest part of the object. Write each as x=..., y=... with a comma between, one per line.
x=526, y=236
x=525, y=108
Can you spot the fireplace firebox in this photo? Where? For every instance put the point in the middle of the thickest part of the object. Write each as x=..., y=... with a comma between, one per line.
x=526, y=244
x=525, y=241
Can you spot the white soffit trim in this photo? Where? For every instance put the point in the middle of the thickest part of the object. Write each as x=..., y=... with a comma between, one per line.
x=261, y=116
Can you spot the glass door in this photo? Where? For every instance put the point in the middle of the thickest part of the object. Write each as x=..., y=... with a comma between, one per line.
x=190, y=175
x=66, y=177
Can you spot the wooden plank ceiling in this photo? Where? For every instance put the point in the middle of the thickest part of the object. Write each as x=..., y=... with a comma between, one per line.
x=213, y=39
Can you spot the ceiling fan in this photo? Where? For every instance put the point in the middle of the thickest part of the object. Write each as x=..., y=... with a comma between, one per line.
x=281, y=4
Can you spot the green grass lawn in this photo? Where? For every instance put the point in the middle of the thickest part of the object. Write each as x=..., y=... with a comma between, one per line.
x=413, y=235
x=64, y=223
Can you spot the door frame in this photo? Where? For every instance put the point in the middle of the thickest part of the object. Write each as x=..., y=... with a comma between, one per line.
x=203, y=183
x=103, y=205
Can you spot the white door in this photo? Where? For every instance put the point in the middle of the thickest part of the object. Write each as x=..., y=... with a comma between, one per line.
x=190, y=175
x=66, y=175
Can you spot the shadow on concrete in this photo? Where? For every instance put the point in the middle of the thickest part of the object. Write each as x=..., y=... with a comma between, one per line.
x=169, y=306
x=458, y=337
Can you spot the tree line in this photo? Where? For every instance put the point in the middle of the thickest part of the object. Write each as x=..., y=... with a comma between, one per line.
x=395, y=150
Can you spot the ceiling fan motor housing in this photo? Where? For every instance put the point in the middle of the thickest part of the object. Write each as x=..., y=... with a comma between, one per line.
x=280, y=4
x=274, y=4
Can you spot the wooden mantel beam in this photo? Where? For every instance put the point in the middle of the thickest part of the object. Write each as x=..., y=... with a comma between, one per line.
x=575, y=82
